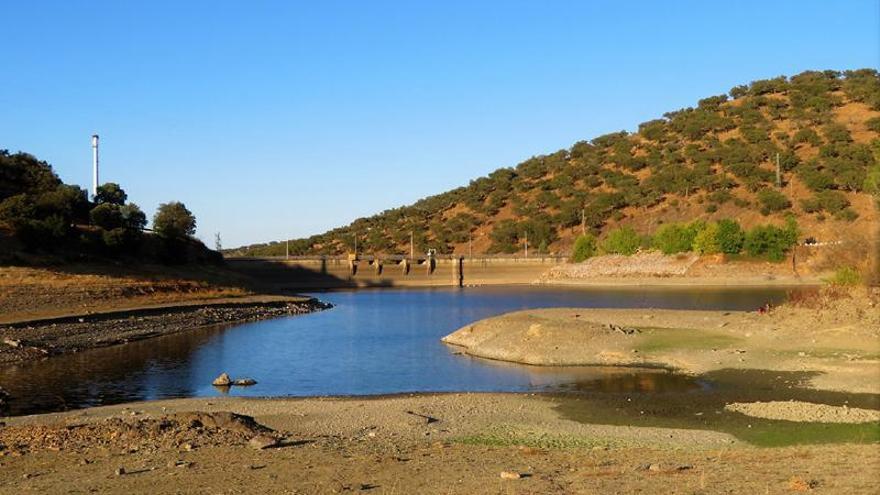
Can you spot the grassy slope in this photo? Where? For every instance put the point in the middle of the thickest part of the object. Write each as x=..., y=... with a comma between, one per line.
x=763, y=121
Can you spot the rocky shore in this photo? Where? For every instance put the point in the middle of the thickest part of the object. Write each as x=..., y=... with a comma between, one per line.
x=37, y=339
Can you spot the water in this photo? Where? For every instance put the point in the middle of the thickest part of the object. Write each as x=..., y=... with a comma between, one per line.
x=371, y=342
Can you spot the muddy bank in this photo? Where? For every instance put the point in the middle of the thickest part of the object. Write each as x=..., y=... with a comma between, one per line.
x=37, y=339
x=451, y=443
x=839, y=339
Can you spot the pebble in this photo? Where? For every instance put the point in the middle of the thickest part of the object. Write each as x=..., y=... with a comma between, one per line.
x=510, y=475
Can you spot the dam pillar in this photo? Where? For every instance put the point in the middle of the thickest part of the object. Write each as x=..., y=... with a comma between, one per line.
x=352, y=265
x=457, y=271
x=378, y=265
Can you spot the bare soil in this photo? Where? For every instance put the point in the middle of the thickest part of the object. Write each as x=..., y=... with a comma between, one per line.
x=387, y=445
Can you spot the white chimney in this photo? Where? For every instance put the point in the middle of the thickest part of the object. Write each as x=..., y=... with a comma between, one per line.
x=94, y=165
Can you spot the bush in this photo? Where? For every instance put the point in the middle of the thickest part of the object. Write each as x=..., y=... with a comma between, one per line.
x=676, y=237
x=845, y=276
x=623, y=240
x=773, y=200
x=706, y=240
x=769, y=241
x=730, y=236
x=584, y=247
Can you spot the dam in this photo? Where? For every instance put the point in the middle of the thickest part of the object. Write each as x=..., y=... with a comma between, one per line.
x=330, y=272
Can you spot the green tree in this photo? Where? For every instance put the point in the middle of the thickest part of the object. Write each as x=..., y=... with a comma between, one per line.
x=706, y=241
x=584, y=247
x=730, y=236
x=623, y=240
x=770, y=241
x=110, y=193
x=674, y=238
x=173, y=220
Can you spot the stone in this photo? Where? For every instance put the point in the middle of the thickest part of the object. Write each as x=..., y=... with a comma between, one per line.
x=12, y=342
x=120, y=471
x=653, y=467
x=261, y=442
x=510, y=475
x=222, y=381
x=244, y=382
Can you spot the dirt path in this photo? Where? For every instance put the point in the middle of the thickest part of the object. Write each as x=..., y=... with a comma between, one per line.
x=389, y=445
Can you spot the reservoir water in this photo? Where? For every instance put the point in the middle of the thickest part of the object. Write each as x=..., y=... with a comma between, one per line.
x=371, y=342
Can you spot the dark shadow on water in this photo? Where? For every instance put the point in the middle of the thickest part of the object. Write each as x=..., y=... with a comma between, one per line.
x=641, y=400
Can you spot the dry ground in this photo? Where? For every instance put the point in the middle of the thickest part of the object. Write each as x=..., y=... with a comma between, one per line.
x=386, y=445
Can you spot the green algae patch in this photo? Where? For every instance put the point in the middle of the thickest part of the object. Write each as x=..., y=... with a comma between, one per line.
x=702, y=408
x=654, y=339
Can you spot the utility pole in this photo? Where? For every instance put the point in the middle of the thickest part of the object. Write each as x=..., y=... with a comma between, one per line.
x=412, y=248
x=287, y=249
x=470, y=245
x=218, y=245
x=527, y=244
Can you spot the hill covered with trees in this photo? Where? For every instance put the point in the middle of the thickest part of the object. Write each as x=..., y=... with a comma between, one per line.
x=42, y=216
x=804, y=148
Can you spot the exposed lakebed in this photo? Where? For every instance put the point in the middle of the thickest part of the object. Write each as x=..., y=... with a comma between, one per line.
x=387, y=341
x=371, y=342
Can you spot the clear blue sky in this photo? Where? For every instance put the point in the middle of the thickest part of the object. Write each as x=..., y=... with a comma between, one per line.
x=276, y=119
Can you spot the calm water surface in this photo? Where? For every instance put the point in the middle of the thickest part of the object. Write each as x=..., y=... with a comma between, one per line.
x=372, y=342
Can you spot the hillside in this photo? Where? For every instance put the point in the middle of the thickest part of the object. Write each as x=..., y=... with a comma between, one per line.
x=717, y=160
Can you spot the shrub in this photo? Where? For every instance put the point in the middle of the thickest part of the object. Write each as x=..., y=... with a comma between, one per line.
x=769, y=241
x=873, y=124
x=706, y=240
x=730, y=236
x=623, y=240
x=773, y=200
x=675, y=237
x=845, y=276
x=584, y=247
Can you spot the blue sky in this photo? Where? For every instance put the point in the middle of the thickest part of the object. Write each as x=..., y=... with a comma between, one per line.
x=277, y=119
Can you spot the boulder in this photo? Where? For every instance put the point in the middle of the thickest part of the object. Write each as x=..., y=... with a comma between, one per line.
x=244, y=382
x=222, y=381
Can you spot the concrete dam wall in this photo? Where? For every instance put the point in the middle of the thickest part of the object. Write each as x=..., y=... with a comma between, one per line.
x=340, y=272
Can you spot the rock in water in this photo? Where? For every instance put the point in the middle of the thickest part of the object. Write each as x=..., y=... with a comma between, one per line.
x=244, y=382
x=222, y=381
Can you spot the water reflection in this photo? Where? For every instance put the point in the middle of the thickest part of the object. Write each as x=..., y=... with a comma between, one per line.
x=372, y=342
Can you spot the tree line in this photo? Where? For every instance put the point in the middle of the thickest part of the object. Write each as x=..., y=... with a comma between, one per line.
x=45, y=215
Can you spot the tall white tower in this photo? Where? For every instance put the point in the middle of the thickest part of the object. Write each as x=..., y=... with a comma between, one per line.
x=94, y=165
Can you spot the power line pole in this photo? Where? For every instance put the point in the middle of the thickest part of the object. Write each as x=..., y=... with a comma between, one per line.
x=527, y=244
x=218, y=245
x=287, y=249
x=412, y=249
